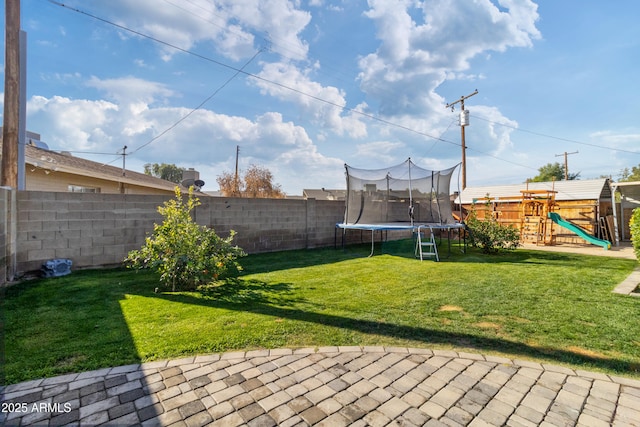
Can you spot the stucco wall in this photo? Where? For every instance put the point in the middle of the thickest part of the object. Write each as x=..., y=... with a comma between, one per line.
x=45, y=180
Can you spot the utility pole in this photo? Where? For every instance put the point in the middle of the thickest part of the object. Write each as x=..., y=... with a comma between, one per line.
x=464, y=121
x=124, y=156
x=236, y=189
x=566, y=164
x=10, y=136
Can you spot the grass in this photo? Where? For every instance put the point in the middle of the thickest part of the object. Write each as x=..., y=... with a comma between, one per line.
x=552, y=307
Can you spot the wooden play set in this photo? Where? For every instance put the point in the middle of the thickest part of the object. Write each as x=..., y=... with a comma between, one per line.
x=537, y=214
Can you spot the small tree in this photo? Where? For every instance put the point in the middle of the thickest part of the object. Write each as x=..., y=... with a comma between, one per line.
x=634, y=226
x=184, y=253
x=256, y=183
x=627, y=175
x=230, y=185
x=552, y=172
x=169, y=172
x=491, y=236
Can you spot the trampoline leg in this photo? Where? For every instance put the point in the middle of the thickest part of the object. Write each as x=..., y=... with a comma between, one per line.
x=372, y=243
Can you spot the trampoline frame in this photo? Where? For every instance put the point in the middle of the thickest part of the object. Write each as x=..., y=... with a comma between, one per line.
x=413, y=227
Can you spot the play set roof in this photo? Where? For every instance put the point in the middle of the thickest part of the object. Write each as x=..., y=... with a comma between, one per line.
x=583, y=189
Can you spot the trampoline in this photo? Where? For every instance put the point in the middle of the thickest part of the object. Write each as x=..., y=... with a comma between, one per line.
x=400, y=197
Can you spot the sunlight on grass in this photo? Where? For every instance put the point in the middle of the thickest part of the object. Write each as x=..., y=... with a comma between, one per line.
x=528, y=304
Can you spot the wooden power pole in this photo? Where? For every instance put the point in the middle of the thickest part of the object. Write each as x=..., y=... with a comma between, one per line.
x=464, y=121
x=9, y=175
x=236, y=184
x=566, y=164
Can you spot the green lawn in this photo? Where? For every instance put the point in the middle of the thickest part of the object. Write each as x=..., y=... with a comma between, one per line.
x=552, y=307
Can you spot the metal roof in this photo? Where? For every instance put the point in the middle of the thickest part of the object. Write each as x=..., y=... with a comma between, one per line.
x=324, y=194
x=629, y=191
x=587, y=189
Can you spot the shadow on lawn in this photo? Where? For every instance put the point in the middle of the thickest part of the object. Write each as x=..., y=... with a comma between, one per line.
x=246, y=291
x=267, y=262
x=43, y=319
x=256, y=297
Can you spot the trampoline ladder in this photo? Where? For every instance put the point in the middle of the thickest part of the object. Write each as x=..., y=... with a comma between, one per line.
x=426, y=247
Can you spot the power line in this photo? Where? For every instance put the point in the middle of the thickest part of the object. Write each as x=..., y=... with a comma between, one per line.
x=255, y=76
x=188, y=114
x=283, y=45
x=300, y=92
x=556, y=137
x=240, y=70
x=484, y=153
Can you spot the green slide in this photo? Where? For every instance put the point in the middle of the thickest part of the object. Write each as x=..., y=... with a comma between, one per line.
x=579, y=231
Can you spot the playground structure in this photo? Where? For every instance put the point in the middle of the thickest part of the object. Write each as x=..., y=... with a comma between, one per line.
x=535, y=226
x=579, y=231
x=542, y=219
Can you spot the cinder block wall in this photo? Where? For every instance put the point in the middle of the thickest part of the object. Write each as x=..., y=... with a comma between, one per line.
x=96, y=230
x=262, y=225
x=90, y=229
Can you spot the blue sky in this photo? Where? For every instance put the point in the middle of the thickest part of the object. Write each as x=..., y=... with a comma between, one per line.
x=186, y=81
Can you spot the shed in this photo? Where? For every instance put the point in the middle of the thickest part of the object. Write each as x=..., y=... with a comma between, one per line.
x=629, y=199
x=584, y=203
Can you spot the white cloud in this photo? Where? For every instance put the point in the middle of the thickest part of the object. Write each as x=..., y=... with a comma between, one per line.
x=234, y=28
x=130, y=89
x=384, y=151
x=393, y=62
x=494, y=124
x=324, y=104
x=414, y=58
x=73, y=124
x=614, y=139
x=205, y=138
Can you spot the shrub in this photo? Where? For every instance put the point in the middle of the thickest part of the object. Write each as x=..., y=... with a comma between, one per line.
x=491, y=236
x=634, y=226
x=184, y=253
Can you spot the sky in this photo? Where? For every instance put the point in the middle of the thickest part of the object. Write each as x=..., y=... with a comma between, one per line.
x=304, y=86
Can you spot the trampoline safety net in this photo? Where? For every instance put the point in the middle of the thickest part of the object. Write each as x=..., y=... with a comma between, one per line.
x=402, y=193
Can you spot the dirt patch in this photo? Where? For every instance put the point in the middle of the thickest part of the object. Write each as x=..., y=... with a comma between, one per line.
x=585, y=352
x=488, y=325
x=451, y=308
x=70, y=361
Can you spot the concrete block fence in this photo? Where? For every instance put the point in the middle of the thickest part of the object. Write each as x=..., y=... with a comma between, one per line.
x=98, y=230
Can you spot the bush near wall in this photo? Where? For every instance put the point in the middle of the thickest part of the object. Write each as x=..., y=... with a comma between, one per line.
x=634, y=226
x=185, y=253
x=491, y=236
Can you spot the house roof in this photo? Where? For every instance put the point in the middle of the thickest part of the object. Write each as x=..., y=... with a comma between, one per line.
x=45, y=159
x=323, y=194
x=587, y=189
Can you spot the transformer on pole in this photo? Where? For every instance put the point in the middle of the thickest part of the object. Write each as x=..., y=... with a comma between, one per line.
x=464, y=121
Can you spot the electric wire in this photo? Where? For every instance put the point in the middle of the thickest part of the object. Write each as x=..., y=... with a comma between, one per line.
x=199, y=106
x=257, y=77
x=317, y=98
x=240, y=70
x=282, y=45
x=555, y=137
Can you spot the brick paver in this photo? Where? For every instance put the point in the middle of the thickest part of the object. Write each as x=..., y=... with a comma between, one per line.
x=330, y=386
